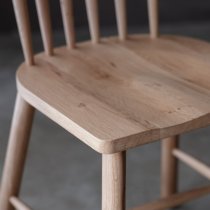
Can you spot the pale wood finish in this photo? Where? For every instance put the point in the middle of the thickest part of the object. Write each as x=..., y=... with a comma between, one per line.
x=93, y=19
x=22, y=18
x=113, y=181
x=175, y=200
x=169, y=166
x=112, y=96
x=153, y=17
x=68, y=22
x=16, y=153
x=43, y=11
x=18, y=204
x=197, y=165
x=121, y=15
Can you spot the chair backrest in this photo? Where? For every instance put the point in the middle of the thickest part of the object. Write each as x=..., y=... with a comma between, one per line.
x=43, y=10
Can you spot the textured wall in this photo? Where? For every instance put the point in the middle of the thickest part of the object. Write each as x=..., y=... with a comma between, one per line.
x=171, y=11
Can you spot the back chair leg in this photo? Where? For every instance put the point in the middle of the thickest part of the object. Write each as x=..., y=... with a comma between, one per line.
x=169, y=170
x=113, y=181
x=16, y=153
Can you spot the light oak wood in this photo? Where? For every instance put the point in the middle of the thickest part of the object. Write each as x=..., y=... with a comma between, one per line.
x=16, y=152
x=22, y=18
x=93, y=19
x=153, y=17
x=43, y=11
x=68, y=22
x=113, y=181
x=112, y=96
x=121, y=15
x=18, y=204
x=169, y=167
x=175, y=200
x=195, y=164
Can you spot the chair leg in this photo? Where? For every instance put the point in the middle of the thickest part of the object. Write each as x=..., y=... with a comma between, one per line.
x=113, y=181
x=16, y=152
x=169, y=171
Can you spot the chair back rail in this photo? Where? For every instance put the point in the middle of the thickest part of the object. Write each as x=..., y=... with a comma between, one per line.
x=43, y=11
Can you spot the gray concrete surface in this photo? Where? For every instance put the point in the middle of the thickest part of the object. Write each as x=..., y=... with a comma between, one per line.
x=62, y=173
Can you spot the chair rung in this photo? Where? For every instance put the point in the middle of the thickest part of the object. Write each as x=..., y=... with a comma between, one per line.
x=175, y=200
x=195, y=164
x=18, y=204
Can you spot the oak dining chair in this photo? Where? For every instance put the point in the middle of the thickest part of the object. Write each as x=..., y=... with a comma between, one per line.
x=113, y=94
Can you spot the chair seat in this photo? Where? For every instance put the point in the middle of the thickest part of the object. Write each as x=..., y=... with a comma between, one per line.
x=117, y=95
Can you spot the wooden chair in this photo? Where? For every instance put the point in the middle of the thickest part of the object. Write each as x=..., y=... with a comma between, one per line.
x=113, y=94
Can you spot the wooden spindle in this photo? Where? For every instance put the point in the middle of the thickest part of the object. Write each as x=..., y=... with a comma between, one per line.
x=43, y=11
x=93, y=19
x=153, y=12
x=121, y=15
x=68, y=22
x=18, y=204
x=195, y=164
x=22, y=17
x=175, y=200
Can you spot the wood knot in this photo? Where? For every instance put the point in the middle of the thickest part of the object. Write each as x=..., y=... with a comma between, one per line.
x=81, y=105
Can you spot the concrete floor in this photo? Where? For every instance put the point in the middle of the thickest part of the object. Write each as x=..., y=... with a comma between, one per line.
x=62, y=173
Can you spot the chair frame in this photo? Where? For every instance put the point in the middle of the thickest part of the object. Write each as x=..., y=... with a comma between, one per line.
x=113, y=165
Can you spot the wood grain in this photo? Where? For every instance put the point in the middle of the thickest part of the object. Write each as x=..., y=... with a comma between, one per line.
x=120, y=102
x=113, y=181
x=118, y=94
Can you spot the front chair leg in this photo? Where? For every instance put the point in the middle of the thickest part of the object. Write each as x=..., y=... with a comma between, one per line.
x=169, y=169
x=16, y=152
x=113, y=181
